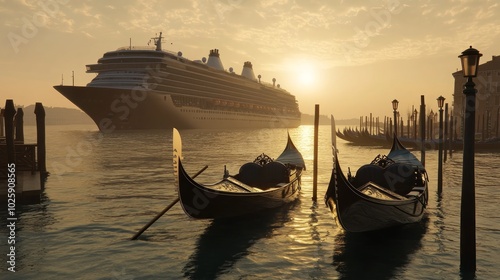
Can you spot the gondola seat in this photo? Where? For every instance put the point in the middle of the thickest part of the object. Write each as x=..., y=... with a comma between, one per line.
x=401, y=178
x=369, y=173
x=397, y=177
x=250, y=173
x=263, y=177
x=275, y=173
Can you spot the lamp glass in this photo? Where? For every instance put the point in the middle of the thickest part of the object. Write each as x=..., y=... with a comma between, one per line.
x=470, y=62
x=395, y=103
x=440, y=101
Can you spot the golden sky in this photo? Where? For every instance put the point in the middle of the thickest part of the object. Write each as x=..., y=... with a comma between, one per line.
x=351, y=57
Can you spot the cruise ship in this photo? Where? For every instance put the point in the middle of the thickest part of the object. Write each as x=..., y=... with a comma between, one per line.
x=151, y=88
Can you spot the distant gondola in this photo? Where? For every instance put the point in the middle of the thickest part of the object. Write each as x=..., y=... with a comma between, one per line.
x=362, y=138
x=390, y=191
x=259, y=185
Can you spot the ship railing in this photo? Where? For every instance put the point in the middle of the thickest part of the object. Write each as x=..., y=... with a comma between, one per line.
x=136, y=48
x=267, y=84
x=144, y=48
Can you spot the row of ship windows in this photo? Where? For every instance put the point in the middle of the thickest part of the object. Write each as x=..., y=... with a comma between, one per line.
x=212, y=112
x=233, y=119
x=215, y=113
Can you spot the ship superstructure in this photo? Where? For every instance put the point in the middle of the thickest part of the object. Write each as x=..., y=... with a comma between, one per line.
x=148, y=88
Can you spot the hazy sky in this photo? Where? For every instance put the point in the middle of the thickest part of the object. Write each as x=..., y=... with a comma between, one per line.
x=351, y=57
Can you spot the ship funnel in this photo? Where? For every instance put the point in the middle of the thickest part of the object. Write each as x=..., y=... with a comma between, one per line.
x=247, y=71
x=214, y=60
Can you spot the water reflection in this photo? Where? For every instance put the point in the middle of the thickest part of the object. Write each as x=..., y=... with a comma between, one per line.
x=377, y=255
x=439, y=224
x=27, y=240
x=225, y=241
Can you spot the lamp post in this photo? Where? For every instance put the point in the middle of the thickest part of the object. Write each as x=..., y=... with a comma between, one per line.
x=470, y=63
x=440, y=101
x=395, y=104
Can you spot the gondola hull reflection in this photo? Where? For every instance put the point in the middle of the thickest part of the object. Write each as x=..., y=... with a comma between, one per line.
x=225, y=241
x=377, y=254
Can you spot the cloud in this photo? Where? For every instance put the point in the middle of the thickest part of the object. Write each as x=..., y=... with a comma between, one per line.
x=342, y=32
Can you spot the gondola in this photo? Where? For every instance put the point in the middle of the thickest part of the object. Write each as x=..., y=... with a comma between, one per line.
x=362, y=138
x=390, y=191
x=262, y=184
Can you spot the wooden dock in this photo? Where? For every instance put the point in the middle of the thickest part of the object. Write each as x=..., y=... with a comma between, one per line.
x=23, y=161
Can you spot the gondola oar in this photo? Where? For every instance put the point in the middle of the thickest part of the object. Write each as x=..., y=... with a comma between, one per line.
x=164, y=210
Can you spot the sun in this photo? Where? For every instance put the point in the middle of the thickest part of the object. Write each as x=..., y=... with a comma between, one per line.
x=305, y=74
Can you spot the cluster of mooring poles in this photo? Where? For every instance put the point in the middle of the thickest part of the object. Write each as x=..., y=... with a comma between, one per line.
x=26, y=161
x=411, y=132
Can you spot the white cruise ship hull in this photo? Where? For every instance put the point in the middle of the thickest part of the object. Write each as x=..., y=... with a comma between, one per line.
x=131, y=109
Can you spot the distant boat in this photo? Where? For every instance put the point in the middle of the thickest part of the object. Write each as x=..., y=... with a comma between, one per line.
x=149, y=88
x=362, y=138
x=487, y=145
x=259, y=185
x=390, y=191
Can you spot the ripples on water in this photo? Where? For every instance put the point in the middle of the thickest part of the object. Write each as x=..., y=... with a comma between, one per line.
x=103, y=189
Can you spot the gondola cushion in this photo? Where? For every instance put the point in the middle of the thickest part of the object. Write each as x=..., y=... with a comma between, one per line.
x=274, y=173
x=400, y=178
x=397, y=177
x=269, y=175
x=250, y=173
x=369, y=173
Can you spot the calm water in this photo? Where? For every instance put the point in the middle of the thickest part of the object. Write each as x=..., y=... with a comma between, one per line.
x=103, y=189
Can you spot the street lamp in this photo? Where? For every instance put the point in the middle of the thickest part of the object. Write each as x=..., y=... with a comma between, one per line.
x=470, y=62
x=440, y=101
x=395, y=104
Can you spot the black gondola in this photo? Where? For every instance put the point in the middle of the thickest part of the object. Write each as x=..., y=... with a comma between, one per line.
x=259, y=185
x=390, y=191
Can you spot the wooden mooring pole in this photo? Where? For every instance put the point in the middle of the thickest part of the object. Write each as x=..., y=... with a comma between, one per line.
x=1, y=123
x=8, y=114
x=422, y=129
x=446, y=133
x=440, y=151
x=315, y=159
x=19, y=123
x=40, y=141
x=452, y=133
